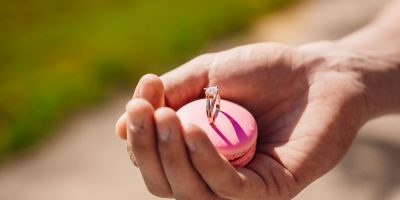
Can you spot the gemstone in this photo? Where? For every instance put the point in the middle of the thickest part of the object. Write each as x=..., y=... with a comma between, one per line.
x=212, y=90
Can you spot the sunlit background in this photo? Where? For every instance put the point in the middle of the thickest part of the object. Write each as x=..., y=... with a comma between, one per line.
x=67, y=68
x=59, y=55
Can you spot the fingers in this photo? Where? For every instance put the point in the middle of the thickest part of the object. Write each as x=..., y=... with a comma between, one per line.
x=120, y=126
x=142, y=142
x=183, y=178
x=182, y=85
x=186, y=83
x=149, y=88
x=217, y=172
x=279, y=180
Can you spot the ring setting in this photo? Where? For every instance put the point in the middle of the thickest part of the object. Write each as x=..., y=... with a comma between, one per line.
x=213, y=100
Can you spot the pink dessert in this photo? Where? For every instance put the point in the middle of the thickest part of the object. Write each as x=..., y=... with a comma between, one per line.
x=233, y=134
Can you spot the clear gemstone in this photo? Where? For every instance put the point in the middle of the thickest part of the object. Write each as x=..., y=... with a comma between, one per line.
x=212, y=90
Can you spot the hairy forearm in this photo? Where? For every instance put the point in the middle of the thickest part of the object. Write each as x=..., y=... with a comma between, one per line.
x=380, y=40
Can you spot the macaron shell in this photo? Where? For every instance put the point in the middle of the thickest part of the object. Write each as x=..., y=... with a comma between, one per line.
x=243, y=159
x=234, y=132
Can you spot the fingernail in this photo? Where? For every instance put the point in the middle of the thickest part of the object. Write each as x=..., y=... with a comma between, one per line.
x=135, y=126
x=134, y=123
x=163, y=134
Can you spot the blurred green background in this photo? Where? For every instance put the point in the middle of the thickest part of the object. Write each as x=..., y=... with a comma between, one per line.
x=57, y=56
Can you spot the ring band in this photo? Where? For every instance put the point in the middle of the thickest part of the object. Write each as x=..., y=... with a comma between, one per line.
x=212, y=103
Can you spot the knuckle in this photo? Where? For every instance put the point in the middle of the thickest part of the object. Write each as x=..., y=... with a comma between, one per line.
x=203, y=59
x=132, y=156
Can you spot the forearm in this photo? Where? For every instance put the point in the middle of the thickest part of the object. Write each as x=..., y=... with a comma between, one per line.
x=380, y=40
x=381, y=37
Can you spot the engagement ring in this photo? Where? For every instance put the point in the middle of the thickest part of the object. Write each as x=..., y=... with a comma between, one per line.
x=212, y=103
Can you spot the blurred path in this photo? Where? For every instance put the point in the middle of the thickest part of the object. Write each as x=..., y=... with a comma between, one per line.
x=86, y=161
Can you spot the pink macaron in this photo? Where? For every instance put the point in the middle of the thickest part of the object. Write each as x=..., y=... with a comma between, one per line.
x=234, y=133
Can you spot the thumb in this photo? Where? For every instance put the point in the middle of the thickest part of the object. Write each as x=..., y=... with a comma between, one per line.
x=149, y=88
x=186, y=83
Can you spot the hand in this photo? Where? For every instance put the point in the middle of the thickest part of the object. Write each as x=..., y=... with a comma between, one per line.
x=309, y=103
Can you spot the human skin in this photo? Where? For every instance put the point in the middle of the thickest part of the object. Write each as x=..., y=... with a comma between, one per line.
x=309, y=102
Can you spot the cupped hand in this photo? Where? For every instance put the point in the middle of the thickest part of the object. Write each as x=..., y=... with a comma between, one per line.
x=309, y=103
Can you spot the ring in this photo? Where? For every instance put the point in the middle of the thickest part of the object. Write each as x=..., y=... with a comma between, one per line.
x=212, y=103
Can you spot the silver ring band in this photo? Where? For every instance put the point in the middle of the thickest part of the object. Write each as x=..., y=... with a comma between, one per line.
x=212, y=103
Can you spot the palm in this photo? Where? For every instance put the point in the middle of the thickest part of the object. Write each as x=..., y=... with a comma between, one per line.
x=300, y=120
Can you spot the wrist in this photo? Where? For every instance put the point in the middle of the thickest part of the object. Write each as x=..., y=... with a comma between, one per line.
x=379, y=74
x=382, y=89
x=379, y=42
